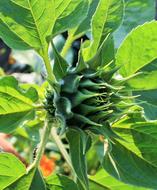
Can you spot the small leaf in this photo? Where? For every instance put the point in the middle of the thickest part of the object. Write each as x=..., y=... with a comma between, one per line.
x=11, y=169
x=78, y=146
x=16, y=104
x=60, y=182
x=60, y=65
x=26, y=24
x=135, y=53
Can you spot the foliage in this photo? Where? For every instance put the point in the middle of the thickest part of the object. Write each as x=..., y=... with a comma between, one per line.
x=105, y=104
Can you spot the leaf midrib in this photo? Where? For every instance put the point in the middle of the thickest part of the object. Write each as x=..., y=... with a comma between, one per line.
x=37, y=27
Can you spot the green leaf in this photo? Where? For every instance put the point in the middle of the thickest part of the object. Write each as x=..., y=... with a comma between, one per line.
x=60, y=182
x=140, y=82
x=23, y=183
x=11, y=169
x=138, y=49
x=60, y=65
x=78, y=145
x=139, y=85
x=69, y=13
x=26, y=24
x=16, y=106
x=94, y=185
x=132, y=17
x=85, y=26
x=106, y=19
x=142, y=134
x=38, y=182
x=104, y=55
x=126, y=166
x=104, y=181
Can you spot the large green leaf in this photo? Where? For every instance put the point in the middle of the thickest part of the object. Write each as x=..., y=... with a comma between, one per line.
x=68, y=14
x=106, y=19
x=11, y=169
x=78, y=144
x=60, y=182
x=16, y=106
x=138, y=49
x=106, y=182
x=126, y=166
x=26, y=24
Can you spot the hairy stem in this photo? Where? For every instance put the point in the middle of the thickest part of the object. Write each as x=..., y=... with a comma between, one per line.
x=40, y=150
x=61, y=147
x=67, y=45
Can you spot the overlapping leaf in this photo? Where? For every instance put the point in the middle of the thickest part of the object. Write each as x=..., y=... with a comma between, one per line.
x=78, y=147
x=16, y=104
x=106, y=19
x=134, y=160
x=135, y=57
x=68, y=14
x=86, y=23
x=60, y=182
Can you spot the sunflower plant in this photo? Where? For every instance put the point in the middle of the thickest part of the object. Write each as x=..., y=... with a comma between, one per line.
x=100, y=111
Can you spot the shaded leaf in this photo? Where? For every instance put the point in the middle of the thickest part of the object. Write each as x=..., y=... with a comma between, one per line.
x=60, y=182
x=78, y=147
x=60, y=65
x=86, y=23
x=38, y=182
x=106, y=19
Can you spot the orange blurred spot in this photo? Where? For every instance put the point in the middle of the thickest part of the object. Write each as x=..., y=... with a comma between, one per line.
x=11, y=60
x=47, y=165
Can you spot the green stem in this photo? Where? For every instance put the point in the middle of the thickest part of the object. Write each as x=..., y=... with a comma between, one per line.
x=46, y=59
x=61, y=147
x=67, y=45
x=40, y=151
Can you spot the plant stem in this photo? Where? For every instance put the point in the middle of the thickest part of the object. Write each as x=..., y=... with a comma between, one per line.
x=40, y=151
x=46, y=59
x=67, y=45
x=61, y=147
